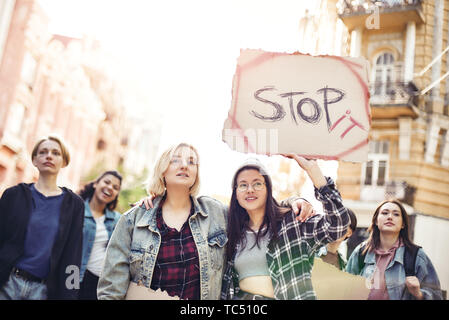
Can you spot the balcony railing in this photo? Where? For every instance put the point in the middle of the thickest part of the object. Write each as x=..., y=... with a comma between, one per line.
x=400, y=190
x=353, y=7
x=393, y=93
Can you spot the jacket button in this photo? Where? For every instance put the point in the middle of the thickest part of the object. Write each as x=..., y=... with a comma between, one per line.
x=151, y=247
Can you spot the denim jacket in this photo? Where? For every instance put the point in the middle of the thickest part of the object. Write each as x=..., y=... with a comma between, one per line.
x=395, y=274
x=90, y=229
x=133, y=249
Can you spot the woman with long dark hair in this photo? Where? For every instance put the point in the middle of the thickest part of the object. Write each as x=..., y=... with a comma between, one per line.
x=100, y=200
x=383, y=259
x=269, y=252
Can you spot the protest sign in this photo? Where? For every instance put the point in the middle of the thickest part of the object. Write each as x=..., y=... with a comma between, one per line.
x=315, y=106
x=140, y=292
x=330, y=283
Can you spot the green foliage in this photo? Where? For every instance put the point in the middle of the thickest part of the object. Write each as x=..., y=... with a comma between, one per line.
x=129, y=196
x=133, y=190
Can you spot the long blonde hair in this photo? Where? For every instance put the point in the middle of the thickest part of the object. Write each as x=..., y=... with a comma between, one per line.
x=156, y=183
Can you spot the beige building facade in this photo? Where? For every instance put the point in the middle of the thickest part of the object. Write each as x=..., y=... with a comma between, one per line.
x=409, y=145
x=405, y=42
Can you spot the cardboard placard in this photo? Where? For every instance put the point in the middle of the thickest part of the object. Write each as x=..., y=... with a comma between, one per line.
x=315, y=106
x=330, y=283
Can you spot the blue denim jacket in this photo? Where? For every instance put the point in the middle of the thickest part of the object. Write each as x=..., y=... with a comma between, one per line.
x=90, y=229
x=133, y=249
x=395, y=274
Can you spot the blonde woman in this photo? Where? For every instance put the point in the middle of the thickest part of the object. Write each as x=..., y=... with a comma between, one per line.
x=41, y=227
x=178, y=245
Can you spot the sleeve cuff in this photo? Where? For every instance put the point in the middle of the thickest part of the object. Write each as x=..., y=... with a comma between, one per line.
x=326, y=191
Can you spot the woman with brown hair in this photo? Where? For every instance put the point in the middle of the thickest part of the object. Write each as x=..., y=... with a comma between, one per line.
x=385, y=256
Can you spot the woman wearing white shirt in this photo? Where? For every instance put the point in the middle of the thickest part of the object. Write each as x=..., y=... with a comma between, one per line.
x=100, y=199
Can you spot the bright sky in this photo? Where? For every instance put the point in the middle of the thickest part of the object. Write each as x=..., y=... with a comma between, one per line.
x=183, y=54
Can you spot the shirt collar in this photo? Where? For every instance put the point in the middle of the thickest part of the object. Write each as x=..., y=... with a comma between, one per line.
x=149, y=219
x=88, y=213
x=370, y=257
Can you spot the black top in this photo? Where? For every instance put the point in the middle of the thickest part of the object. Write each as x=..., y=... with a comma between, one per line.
x=65, y=259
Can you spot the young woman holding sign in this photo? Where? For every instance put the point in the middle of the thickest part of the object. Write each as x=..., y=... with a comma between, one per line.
x=269, y=252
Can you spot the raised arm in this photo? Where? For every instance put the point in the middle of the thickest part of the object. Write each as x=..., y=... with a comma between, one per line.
x=322, y=229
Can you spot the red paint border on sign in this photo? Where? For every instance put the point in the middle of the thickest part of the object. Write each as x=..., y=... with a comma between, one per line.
x=265, y=56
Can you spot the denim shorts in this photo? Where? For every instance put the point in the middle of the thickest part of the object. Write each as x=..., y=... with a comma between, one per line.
x=17, y=288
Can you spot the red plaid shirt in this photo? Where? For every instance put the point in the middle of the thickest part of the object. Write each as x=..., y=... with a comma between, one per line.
x=177, y=268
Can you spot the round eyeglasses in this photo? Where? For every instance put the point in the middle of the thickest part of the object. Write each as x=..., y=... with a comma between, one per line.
x=257, y=186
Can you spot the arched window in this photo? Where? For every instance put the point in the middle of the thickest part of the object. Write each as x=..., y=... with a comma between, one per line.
x=383, y=76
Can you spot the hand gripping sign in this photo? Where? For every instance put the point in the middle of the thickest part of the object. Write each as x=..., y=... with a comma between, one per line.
x=315, y=106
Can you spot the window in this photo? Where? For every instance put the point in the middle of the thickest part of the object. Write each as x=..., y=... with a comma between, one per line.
x=16, y=118
x=374, y=171
x=29, y=69
x=101, y=144
x=384, y=75
x=443, y=145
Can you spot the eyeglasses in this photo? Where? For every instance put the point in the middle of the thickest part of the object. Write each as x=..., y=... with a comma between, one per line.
x=243, y=187
x=178, y=161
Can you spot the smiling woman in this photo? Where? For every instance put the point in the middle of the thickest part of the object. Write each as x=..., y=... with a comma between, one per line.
x=100, y=199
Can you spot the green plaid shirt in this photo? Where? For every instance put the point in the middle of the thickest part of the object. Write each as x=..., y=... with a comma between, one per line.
x=290, y=257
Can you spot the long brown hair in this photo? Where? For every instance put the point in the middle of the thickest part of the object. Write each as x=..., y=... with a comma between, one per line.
x=374, y=233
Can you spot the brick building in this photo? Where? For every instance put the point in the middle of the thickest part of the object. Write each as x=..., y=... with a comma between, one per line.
x=52, y=84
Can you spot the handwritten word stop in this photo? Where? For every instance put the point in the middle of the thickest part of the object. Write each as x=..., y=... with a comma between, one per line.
x=294, y=103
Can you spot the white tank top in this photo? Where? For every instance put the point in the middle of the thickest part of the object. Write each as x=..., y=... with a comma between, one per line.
x=98, y=253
